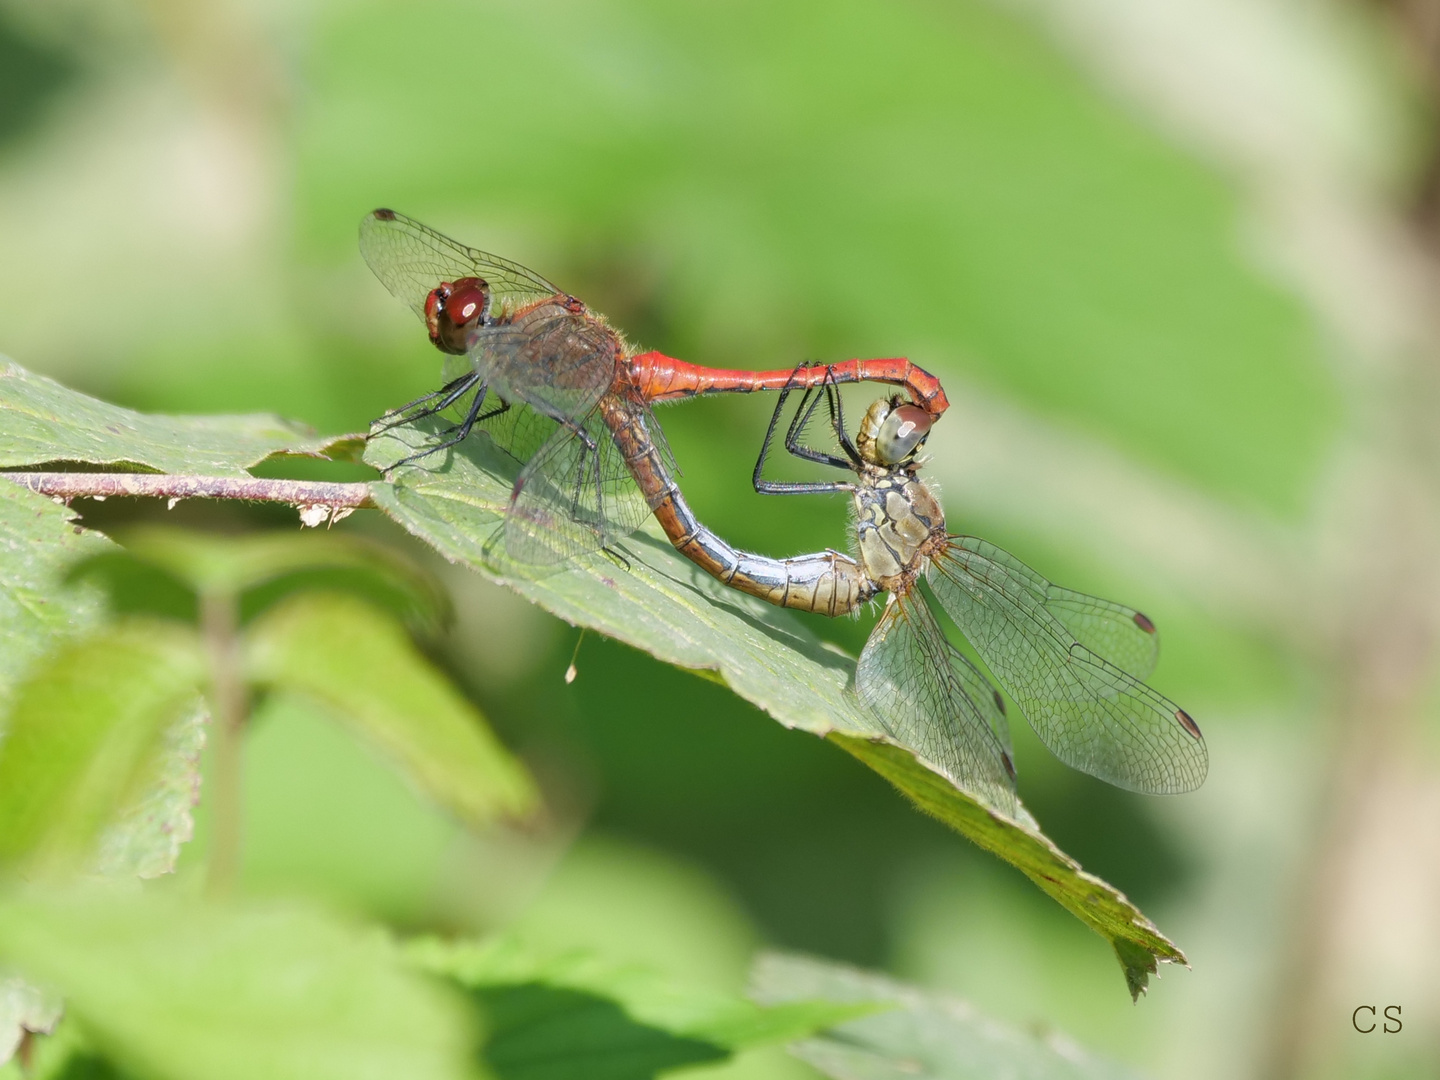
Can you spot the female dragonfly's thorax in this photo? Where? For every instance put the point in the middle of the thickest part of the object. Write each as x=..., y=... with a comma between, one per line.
x=897, y=523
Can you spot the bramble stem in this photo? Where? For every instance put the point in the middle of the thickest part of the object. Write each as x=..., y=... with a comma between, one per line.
x=76, y=485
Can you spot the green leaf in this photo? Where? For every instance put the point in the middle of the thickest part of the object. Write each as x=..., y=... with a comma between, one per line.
x=579, y=1016
x=540, y=1032
x=663, y=603
x=679, y=614
x=273, y=564
x=39, y=548
x=42, y=421
x=173, y=991
x=136, y=587
x=84, y=733
x=362, y=667
x=655, y=999
x=920, y=1034
x=1138, y=944
x=144, y=841
x=38, y=542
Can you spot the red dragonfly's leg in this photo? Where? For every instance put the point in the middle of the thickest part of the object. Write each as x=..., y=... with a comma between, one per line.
x=663, y=378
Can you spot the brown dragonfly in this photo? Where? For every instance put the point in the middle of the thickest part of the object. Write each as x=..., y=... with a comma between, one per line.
x=1073, y=663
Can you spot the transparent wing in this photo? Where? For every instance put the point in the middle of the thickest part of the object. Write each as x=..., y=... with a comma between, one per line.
x=558, y=361
x=574, y=496
x=410, y=259
x=1120, y=634
x=521, y=431
x=931, y=699
x=1093, y=714
x=515, y=428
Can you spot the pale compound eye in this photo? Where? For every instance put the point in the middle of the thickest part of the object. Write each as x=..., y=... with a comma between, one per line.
x=901, y=433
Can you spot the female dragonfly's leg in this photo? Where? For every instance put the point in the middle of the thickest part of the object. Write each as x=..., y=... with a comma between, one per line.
x=805, y=413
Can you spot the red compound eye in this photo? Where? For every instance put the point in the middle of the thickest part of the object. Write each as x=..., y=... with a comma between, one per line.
x=453, y=310
x=466, y=301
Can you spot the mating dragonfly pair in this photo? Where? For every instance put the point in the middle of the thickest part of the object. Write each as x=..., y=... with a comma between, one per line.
x=557, y=388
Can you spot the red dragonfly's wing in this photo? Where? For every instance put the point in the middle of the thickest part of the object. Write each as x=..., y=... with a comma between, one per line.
x=411, y=259
x=574, y=496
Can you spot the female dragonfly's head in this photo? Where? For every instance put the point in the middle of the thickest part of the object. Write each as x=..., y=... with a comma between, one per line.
x=892, y=432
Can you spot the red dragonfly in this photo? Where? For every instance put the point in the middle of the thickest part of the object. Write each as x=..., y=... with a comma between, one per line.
x=560, y=390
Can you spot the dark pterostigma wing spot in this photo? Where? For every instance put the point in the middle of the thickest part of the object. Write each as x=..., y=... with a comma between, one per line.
x=1092, y=713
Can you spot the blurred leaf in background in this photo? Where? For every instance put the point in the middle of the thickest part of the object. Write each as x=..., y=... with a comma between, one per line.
x=84, y=736
x=110, y=723
x=911, y=1032
x=36, y=613
x=175, y=990
x=577, y=1015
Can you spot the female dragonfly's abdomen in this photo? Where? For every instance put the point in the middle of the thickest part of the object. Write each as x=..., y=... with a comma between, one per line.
x=828, y=582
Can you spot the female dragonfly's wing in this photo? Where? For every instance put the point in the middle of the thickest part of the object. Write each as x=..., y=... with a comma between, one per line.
x=574, y=496
x=933, y=700
x=1044, y=645
x=411, y=259
x=1120, y=634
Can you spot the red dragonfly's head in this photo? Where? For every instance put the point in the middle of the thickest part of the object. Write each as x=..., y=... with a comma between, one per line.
x=453, y=310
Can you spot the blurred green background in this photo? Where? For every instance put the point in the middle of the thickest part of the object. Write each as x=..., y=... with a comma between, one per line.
x=1175, y=268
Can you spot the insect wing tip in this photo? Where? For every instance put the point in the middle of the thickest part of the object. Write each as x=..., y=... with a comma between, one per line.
x=1188, y=723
